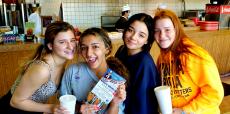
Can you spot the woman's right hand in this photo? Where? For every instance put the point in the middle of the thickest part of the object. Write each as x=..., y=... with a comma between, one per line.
x=88, y=109
x=60, y=110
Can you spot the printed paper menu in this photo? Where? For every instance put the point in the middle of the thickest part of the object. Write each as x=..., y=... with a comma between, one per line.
x=103, y=92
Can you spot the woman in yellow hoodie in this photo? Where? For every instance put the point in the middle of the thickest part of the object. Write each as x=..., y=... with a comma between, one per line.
x=187, y=68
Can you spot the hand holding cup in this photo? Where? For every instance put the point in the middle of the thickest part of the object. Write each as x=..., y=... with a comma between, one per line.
x=68, y=102
x=164, y=99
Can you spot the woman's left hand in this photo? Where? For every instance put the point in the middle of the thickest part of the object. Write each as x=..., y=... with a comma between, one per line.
x=88, y=109
x=120, y=95
x=60, y=110
x=177, y=111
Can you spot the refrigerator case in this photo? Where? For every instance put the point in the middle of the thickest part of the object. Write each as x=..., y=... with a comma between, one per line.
x=220, y=13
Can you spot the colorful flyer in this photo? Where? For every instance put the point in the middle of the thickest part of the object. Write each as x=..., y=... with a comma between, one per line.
x=103, y=92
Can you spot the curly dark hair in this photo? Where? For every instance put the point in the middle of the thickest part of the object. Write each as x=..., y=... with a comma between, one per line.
x=116, y=65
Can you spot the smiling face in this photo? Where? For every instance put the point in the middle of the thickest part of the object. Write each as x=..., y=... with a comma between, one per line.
x=93, y=51
x=136, y=36
x=64, y=45
x=164, y=32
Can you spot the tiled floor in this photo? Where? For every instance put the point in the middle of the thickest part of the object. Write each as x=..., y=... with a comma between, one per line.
x=225, y=105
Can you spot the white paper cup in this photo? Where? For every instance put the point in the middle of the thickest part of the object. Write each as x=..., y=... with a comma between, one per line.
x=68, y=101
x=164, y=99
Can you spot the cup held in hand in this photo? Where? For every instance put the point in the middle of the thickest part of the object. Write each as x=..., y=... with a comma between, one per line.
x=68, y=101
x=164, y=99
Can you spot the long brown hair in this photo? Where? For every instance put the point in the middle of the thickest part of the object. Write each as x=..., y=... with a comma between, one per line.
x=52, y=31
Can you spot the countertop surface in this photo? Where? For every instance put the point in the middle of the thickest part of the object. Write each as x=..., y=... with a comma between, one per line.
x=18, y=46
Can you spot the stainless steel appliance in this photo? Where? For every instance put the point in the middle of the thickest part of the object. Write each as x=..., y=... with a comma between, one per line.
x=2, y=20
x=189, y=14
x=14, y=15
x=108, y=22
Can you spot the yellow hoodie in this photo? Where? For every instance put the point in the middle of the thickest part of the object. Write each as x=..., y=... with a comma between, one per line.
x=197, y=86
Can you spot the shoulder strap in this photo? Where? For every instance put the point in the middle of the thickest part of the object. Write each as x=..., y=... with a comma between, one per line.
x=46, y=64
x=43, y=62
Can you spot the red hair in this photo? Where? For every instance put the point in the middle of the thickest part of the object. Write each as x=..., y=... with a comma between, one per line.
x=172, y=54
x=180, y=34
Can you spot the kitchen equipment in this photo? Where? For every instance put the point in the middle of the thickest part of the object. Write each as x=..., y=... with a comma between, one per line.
x=219, y=2
x=190, y=14
x=208, y=25
x=13, y=7
x=4, y=29
x=108, y=22
x=14, y=14
x=195, y=20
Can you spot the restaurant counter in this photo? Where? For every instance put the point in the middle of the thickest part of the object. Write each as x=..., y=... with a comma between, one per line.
x=12, y=56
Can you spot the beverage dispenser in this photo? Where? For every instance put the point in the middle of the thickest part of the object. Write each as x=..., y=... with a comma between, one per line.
x=14, y=15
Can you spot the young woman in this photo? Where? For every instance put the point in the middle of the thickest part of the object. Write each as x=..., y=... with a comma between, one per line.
x=134, y=54
x=187, y=68
x=80, y=78
x=41, y=76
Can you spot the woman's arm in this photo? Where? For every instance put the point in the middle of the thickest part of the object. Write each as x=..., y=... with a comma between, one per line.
x=34, y=77
x=205, y=75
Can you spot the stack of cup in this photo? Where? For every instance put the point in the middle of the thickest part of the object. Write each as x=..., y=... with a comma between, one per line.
x=164, y=99
x=68, y=102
